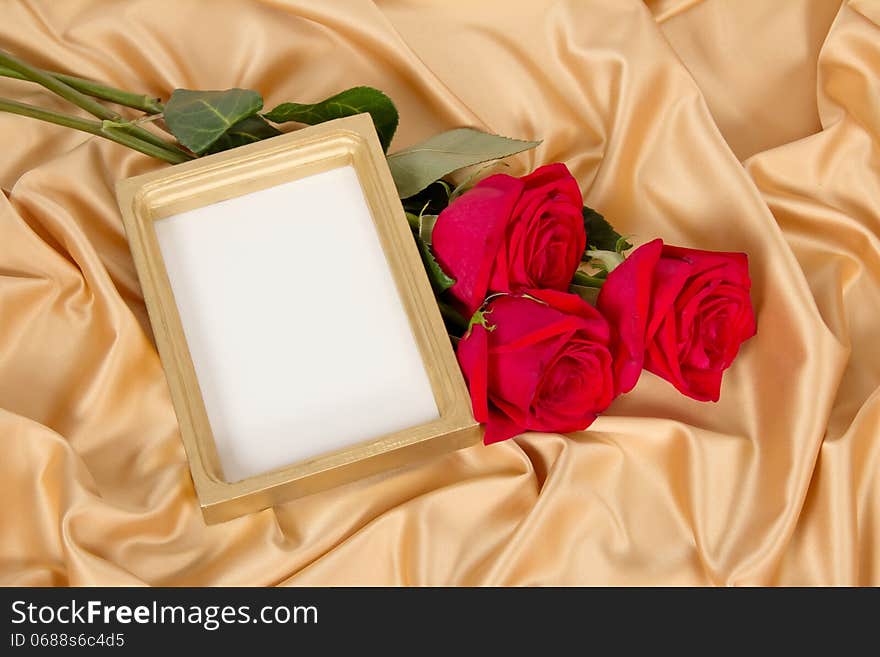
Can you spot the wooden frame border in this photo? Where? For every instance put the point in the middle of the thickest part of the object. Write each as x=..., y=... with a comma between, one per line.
x=144, y=199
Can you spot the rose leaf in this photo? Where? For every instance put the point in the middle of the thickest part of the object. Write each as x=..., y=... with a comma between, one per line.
x=588, y=294
x=601, y=236
x=246, y=131
x=426, y=227
x=347, y=103
x=432, y=200
x=440, y=280
x=604, y=260
x=416, y=167
x=200, y=118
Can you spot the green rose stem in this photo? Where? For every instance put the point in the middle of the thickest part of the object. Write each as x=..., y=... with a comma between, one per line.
x=580, y=278
x=140, y=102
x=87, y=103
x=93, y=127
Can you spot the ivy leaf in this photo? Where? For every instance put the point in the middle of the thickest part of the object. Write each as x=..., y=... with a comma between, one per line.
x=440, y=280
x=200, y=118
x=416, y=167
x=347, y=103
x=246, y=131
x=600, y=234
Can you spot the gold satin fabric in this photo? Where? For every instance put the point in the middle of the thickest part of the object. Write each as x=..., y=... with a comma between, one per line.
x=750, y=126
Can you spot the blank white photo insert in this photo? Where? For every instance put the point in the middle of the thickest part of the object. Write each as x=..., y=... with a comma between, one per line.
x=300, y=343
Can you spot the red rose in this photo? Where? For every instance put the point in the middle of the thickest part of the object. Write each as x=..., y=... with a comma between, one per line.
x=544, y=365
x=509, y=234
x=682, y=313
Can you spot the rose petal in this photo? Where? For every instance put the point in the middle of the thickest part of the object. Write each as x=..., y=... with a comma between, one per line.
x=557, y=177
x=702, y=385
x=572, y=304
x=473, y=356
x=550, y=204
x=625, y=300
x=500, y=427
x=469, y=233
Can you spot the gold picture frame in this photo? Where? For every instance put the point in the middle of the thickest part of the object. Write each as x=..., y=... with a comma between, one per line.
x=349, y=141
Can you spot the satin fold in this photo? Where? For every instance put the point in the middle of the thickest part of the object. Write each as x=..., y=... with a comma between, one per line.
x=733, y=126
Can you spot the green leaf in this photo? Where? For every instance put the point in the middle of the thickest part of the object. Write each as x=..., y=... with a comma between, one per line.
x=586, y=280
x=347, y=103
x=417, y=167
x=246, y=131
x=413, y=220
x=440, y=280
x=600, y=234
x=604, y=260
x=426, y=227
x=433, y=199
x=200, y=118
x=588, y=294
x=471, y=180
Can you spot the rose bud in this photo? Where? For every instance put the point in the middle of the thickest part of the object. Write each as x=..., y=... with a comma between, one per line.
x=539, y=362
x=508, y=234
x=681, y=313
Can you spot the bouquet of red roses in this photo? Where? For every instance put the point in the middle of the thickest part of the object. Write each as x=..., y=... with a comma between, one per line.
x=552, y=319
